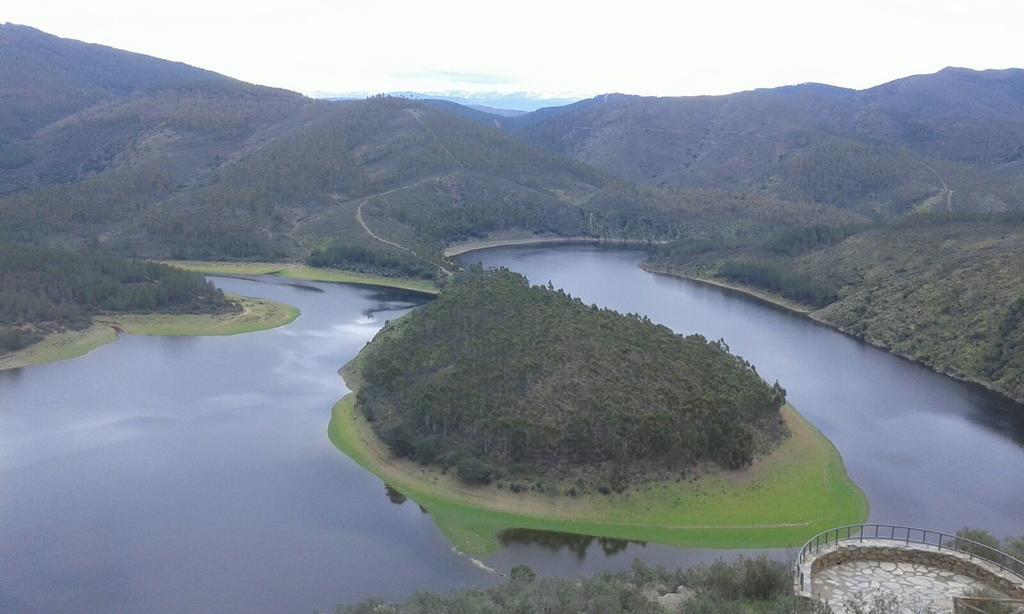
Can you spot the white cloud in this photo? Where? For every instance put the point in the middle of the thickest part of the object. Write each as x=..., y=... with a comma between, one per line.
x=643, y=46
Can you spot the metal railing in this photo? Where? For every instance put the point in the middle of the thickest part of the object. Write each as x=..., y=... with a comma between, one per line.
x=906, y=536
x=987, y=605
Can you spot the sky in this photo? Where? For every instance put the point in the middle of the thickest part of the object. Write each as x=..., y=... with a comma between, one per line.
x=666, y=48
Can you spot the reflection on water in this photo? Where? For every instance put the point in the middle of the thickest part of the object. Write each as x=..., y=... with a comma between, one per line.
x=553, y=540
x=394, y=495
x=996, y=413
x=273, y=279
x=926, y=449
x=177, y=475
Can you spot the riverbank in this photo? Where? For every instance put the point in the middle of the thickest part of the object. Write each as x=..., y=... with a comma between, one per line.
x=799, y=489
x=812, y=313
x=291, y=270
x=255, y=315
x=767, y=297
x=471, y=246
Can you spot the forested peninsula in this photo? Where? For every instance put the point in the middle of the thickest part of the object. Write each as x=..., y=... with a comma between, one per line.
x=498, y=378
x=57, y=304
x=521, y=399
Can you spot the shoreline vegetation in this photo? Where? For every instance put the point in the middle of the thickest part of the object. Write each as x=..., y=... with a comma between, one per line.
x=767, y=297
x=777, y=496
x=747, y=585
x=810, y=313
x=291, y=270
x=255, y=315
x=794, y=492
x=458, y=249
x=958, y=310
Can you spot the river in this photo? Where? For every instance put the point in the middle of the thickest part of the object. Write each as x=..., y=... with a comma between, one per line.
x=194, y=474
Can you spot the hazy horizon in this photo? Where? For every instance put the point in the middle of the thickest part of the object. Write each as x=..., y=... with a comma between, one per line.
x=569, y=50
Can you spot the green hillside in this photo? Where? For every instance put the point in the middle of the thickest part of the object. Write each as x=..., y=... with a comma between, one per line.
x=951, y=139
x=106, y=150
x=153, y=158
x=947, y=293
x=44, y=291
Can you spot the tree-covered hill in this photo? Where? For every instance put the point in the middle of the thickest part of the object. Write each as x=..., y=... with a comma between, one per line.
x=44, y=78
x=46, y=290
x=498, y=377
x=945, y=292
x=146, y=157
x=951, y=139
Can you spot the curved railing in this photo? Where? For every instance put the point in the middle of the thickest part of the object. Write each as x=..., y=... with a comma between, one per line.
x=903, y=535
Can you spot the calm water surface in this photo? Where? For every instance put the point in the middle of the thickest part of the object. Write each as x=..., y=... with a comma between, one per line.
x=927, y=450
x=194, y=474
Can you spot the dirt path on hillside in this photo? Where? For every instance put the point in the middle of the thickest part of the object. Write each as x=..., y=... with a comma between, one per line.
x=945, y=193
x=361, y=220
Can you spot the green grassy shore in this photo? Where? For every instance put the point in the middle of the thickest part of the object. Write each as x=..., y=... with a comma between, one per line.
x=301, y=271
x=795, y=492
x=255, y=315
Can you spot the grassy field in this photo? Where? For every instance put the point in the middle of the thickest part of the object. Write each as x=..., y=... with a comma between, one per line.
x=304, y=272
x=800, y=489
x=255, y=315
x=60, y=346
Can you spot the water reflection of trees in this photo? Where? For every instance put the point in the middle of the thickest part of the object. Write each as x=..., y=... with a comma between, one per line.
x=394, y=495
x=553, y=540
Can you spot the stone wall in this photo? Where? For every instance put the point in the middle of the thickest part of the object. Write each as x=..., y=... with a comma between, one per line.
x=949, y=560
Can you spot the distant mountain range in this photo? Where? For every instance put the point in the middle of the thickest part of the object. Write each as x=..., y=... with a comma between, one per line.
x=856, y=199
x=158, y=158
x=949, y=140
x=499, y=103
x=154, y=157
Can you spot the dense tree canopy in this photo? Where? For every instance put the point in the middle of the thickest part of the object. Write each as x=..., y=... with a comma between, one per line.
x=363, y=259
x=46, y=289
x=499, y=376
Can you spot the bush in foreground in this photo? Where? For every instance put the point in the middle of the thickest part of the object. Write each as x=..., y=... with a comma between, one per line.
x=745, y=585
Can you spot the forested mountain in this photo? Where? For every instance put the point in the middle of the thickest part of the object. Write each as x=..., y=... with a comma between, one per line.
x=45, y=78
x=949, y=293
x=158, y=158
x=954, y=139
x=152, y=156
x=145, y=157
x=47, y=290
x=110, y=150
x=498, y=377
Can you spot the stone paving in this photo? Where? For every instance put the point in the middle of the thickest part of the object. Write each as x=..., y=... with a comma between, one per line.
x=919, y=588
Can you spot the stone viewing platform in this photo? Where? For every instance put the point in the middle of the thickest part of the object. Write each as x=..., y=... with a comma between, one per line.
x=924, y=570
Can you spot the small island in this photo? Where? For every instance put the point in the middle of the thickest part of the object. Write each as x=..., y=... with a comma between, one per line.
x=504, y=405
x=57, y=304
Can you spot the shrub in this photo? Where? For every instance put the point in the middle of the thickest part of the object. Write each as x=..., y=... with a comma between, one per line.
x=474, y=471
x=400, y=440
x=522, y=573
x=426, y=450
x=979, y=535
x=746, y=579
